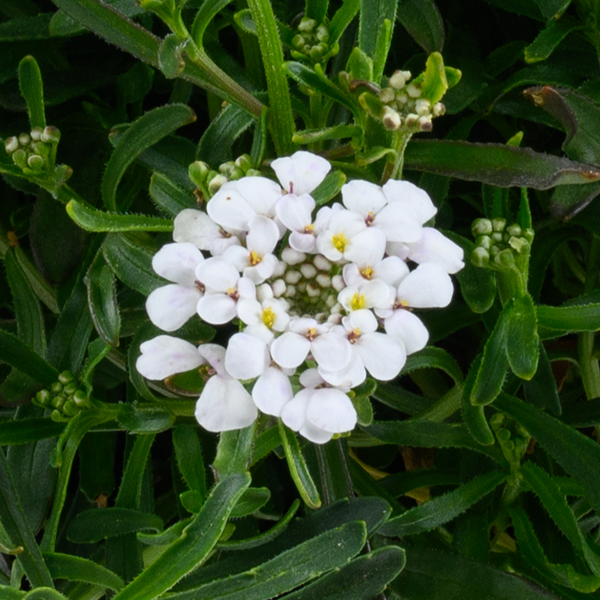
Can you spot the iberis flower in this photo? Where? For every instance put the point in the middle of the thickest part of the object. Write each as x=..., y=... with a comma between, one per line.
x=319, y=297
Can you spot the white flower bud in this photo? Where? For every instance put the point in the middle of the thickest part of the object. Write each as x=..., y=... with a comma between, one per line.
x=423, y=107
x=279, y=288
x=24, y=139
x=290, y=291
x=399, y=78
x=337, y=283
x=438, y=109
x=425, y=124
x=293, y=277
x=307, y=24
x=313, y=290
x=321, y=263
x=216, y=182
x=11, y=144
x=308, y=270
x=386, y=95
x=401, y=98
x=324, y=280
x=413, y=91
x=391, y=119
x=292, y=257
x=36, y=134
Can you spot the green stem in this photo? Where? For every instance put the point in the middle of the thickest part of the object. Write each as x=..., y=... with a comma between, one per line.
x=393, y=170
x=280, y=103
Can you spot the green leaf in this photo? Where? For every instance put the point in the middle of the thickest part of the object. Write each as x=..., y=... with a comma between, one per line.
x=259, y=141
x=265, y=443
x=129, y=255
x=583, y=317
x=577, y=454
x=363, y=577
x=474, y=416
x=585, y=413
x=234, y=451
x=435, y=83
x=74, y=568
x=170, y=60
x=91, y=526
x=550, y=38
x=102, y=300
x=401, y=483
x=374, y=34
x=422, y=20
x=188, y=453
x=329, y=188
x=522, y=340
x=216, y=143
x=341, y=19
x=11, y=593
x=169, y=196
x=438, y=575
x=337, y=132
x=17, y=528
x=298, y=468
x=97, y=464
x=32, y=90
x=44, y=593
x=194, y=545
x=252, y=499
x=434, y=358
x=542, y=390
x=327, y=551
x=26, y=28
x=496, y=164
x=552, y=9
x=19, y=355
x=28, y=430
x=530, y=548
x=140, y=419
x=494, y=362
x=143, y=133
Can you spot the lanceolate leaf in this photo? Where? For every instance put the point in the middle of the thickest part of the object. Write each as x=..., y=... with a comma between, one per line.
x=443, y=508
x=374, y=36
x=582, y=317
x=73, y=568
x=496, y=164
x=28, y=430
x=434, y=358
x=422, y=20
x=234, y=450
x=30, y=84
x=17, y=354
x=169, y=196
x=522, y=340
x=142, y=134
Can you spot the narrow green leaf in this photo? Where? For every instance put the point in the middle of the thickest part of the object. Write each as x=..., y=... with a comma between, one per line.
x=194, y=545
x=342, y=18
x=19, y=355
x=265, y=443
x=337, y=132
x=474, y=415
x=28, y=430
x=522, y=340
x=316, y=9
x=97, y=464
x=26, y=28
x=582, y=317
x=216, y=144
x=145, y=420
x=330, y=550
x=401, y=483
x=329, y=188
x=577, y=454
x=11, y=593
x=206, y=13
x=234, y=451
x=494, y=362
x=44, y=593
x=259, y=141
x=91, y=526
x=374, y=36
x=550, y=38
x=143, y=133
x=444, y=508
x=188, y=453
x=363, y=577
x=32, y=90
x=252, y=499
x=434, y=358
x=422, y=20
x=130, y=257
x=298, y=468
x=102, y=300
x=496, y=164
x=74, y=568
x=585, y=413
x=552, y=9
x=542, y=390
x=169, y=196
x=15, y=524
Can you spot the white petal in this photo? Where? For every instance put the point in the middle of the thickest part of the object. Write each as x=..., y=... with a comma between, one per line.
x=363, y=197
x=263, y=270
x=303, y=170
x=331, y=410
x=311, y=378
x=381, y=355
x=398, y=223
x=272, y=391
x=392, y=270
x=406, y=328
x=218, y=274
x=366, y=248
x=229, y=209
x=260, y=193
x=238, y=256
x=315, y=434
x=363, y=320
x=331, y=351
x=293, y=413
x=195, y=227
x=428, y=286
x=351, y=376
x=413, y=198
x=165, y=355
x=295, y=212
x=263, y=235
x=434, y=247
x=177, y=263
x=249, y=311
x=225, y=405
x=247, y=356
x=170, y=306
x=290, y=350
x=303, y=242
x=217, y=308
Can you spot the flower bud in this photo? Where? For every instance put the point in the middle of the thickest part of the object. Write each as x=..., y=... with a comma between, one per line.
x=514, y=230
x=484, y=241
x=391, y=119
x=58, y=401
x=56, y=415
x=244, y=162
x=50, y=134
x=322, y=33
x=481, y=227
x=519, y=244
x=529, y=234
x=216, y=182
x=236, y=174
x=438, y=109
x=20, y=158
x=24, y=139
x=80, y=398
x=498, y=224
x=11, y=144
x=298, y=41
x=70, y=388
x=253, y=173
x=197, y=173
x=56, y=387
x=318, y=52
x=226, y=168
x=425, y=124
x=307, y=24
x=505, y=258
x=480, y=257
x=70, y=409
x=399, y=78
x=497, y=236
x=387, y=95
x=423, y=107
x=35, y=162
x=36, y=134
x=43, y=397
x=66, y=377
x=413, y=91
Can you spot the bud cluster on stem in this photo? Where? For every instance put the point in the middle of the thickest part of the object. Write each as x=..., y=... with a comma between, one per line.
x=65, y=398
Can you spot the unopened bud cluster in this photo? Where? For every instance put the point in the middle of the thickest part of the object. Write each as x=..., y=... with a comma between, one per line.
x=404, y=106
x=64, y=398
x=205, y=178
x=512, y=437
x=311, y=43
x=499, y=243
x=34, y=152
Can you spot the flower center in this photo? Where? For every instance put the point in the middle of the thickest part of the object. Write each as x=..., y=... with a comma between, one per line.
x=233, y=294
x=401, y=304
x=369, y=218
x=358, y=301
x=254, y=258
x=199, y=286
x=367, y=272
x=353, y=335
x=339, y=241
x=309, y=228
x=311, y=334
x=268, y=317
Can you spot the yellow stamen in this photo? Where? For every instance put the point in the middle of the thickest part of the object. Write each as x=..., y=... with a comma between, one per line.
x=268, y=317
x=369, y=218
x=367, y=272
x=254, y=258
x=358, y=301
x=353, y=335
x=309, y=228
x=400, y=304
x=339, y=241
x=233, y=293
x=311, y=334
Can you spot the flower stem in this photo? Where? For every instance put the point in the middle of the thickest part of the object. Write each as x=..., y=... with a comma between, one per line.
x=393, y=170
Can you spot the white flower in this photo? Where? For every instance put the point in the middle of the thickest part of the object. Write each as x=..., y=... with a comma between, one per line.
x=435, y=247
x=170, y=306
x=247, y=356
x=272, y=391
x=199, y=229
x=319, y=412
x=165, y=355
x=263, y=318
x=224, y=403
x=373, y=293
x=301, y=173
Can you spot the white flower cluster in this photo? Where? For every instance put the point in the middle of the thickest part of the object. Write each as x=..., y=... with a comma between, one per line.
x=332, y=306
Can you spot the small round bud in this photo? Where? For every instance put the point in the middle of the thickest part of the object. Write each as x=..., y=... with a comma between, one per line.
x=324, y=280
x=498, y=224
x=529, y=234
x=480, y=257
x=413, y=91
x=307, y=24
x=337, y=283
x=253, y=173
x=318, y=52
x=279, y=288
x=58, y=401
x=298, y=41
x=519, y=244
x=80, y=398
x=36, y=134
x=24, y=139
x=411, y=120
x=293, y=277
x=425, y=124
x=321, y=263
x=56, y=387
x=20, y=158
x=56, y=415
x=401, y=98
x=197, y=172
x=505, y=258
x=50, y=134
x=216, y=182
x=481, y=227
x=308, y=270
x=497, y=236
x=292, y=257
x=398, y=79
x=35, y=162
x=322, y=33
x=484, y=241
x=235, y=174
x=70, y=408
x=226, y=168
x=387, y=95
x=438, y=109
x=43, y=397
x=70, y=388
x=391, y=119
x=313, y=291
x=503, y=435
x=66, y=377
x=11, y=144
x=423, y=107
x=244, y=162
x=514, y=230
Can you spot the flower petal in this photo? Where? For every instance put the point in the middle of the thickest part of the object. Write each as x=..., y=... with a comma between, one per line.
x=413, y=198
x=295, y=212
x=428, y=286
x=363, y=197
x=165, y=355
x=406, y=328
x=331, y=351
x=247, y=356
x=225, y=405
x=170, y=306
x=218, y=274
x=303, y=170
x=196, y=227
x=272, y=391
x=434, y=247
x=229, y=209
x=177, y=263
x=331, y=410
x=217, y=308
x=290, y=350
x=382, y=356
